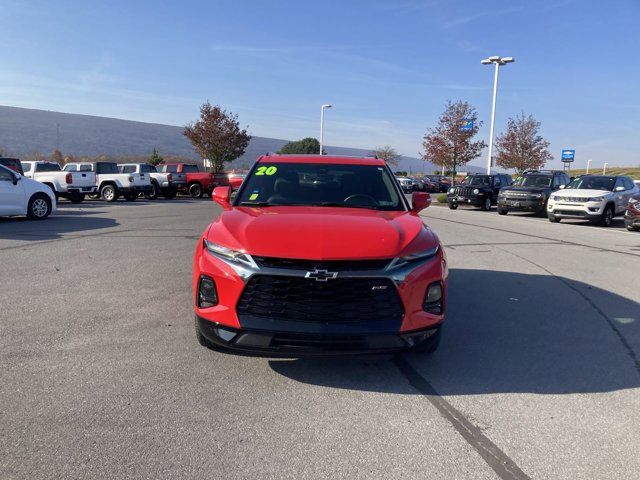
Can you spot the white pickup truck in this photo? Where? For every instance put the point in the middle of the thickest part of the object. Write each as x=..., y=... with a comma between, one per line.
x=71, y=185
x=165, y=184
x=111, y=183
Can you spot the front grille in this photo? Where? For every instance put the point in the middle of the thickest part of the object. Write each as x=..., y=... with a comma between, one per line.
x=331, y=265
x=465, y=191
x=572, y=199
x=341, y=300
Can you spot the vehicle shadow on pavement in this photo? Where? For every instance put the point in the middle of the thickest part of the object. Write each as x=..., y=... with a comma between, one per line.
x=510, y=332
x=53, y=227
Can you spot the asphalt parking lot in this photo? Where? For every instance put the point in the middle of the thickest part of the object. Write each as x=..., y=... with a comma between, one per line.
x=538, y=374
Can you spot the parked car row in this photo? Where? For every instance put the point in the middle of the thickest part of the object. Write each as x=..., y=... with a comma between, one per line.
x=596, y=198
x=425, y=183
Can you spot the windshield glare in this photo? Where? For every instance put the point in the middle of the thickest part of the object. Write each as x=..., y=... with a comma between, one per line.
x=477, y=181
x=593, y=183
x=534, y=181
x=309, y=184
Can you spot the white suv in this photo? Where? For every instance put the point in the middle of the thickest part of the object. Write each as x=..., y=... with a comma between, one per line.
x=597, y=198
x=22, y=196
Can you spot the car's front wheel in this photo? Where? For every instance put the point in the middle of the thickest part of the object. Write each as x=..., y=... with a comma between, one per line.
x=154, y=193
x=130, y=197
x=631, y=228
x=487, y=204
x=109, y=193
x=607, y=217
x=39, y=207
x=76, y=197
x=503, y=210
x=553, y=219
x=195, y=190
x=453, y=206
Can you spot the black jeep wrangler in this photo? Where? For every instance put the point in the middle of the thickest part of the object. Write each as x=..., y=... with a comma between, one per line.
x=531, y=191
x=478, y=190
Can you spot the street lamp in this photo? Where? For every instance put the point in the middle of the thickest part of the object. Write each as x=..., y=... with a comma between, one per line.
x=497, y=61
x=326, y=105
x=588, y=165
x=604, y=168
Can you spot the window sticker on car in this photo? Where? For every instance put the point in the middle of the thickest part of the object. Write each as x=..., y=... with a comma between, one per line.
x=266, y=170
x=253, y=196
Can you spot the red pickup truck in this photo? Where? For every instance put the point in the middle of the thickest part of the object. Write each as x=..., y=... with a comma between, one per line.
x=197, y=182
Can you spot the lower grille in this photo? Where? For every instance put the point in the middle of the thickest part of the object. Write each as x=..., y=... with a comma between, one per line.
x=331, y=265
x=341, y=300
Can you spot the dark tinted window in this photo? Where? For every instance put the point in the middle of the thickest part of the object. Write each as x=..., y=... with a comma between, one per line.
x=147, y=168
x=5, y=174
x=12, y=164
x=128, y=168
x=26, y=166
x=190, y=169
x=47, y=167
x=86, y=167
x=169, y=169
x=477, y=181
x=311, y=184
x=628, y=183
x=106, y=168
x=593, y=182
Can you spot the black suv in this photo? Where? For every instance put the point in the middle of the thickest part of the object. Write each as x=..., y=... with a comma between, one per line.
x=12, y=163
x=531, y=191
x=478, y=190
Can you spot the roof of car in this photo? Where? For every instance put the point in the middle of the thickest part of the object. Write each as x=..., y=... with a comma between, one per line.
x=322, y=159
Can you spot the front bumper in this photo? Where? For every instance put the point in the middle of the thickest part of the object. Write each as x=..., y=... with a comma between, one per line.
x=331, y=331
x=332, y=341
x=524, y=204
x=631, y=219
x=475, y=201
x=587, y=211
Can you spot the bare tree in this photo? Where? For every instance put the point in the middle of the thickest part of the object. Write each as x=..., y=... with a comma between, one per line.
x=217, y=136
x=450, y=145
x=522, y=147
x=56, y=156
x=388, y=154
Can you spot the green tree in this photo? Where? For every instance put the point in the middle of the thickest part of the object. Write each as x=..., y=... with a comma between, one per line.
x=306, y=146
x=448, y=144
x=155, y=158
x=388, y=154
x=522, y=147
x=217, y=136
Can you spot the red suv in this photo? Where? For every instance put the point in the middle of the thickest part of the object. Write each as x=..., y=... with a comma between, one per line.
x=319, y=254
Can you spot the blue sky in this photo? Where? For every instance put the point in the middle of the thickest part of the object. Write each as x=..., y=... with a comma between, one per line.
x=388, y=67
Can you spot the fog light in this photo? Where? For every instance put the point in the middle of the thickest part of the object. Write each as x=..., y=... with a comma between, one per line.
x=433, y=299
x=207, y=293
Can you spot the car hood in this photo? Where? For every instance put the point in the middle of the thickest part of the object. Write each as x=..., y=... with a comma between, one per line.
x=321, y=233
x=527, y=189
x=581, y=192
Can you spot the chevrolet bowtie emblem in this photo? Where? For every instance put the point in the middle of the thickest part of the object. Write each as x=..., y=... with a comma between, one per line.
x=321, y=275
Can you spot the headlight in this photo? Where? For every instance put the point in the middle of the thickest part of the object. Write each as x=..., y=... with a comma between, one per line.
x=414, y=257
x=555, y=198
x=595, y=199
x=452, y=190
x=476, y=191
x=228, y=254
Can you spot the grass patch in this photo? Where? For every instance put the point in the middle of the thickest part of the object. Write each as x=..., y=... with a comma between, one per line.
x=629, y=171
x=442, y=198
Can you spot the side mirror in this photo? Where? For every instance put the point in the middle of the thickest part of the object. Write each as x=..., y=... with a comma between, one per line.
x=420, y=201
x=16, y=177
x=222, y=195
x=561, y=187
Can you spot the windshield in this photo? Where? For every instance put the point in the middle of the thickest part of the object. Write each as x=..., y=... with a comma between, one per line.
x=477, y=181
x=593, y=183
x=310, y=184
x=534, y=181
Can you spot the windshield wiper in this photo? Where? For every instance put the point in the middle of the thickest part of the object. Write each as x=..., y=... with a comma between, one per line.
x=344, y=205
x=255, y=204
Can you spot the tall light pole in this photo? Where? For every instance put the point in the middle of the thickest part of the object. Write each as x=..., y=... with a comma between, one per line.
x=588, y=165
x=604, y=169
x=322, y=123
x=497, y=61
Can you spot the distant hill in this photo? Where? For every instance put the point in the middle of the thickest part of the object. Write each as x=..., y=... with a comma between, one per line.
x=26, y=131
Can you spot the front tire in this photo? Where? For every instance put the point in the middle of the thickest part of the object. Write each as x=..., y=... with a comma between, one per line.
x=553, y=219
x=453, y=206
x=109, y=193
x=39, y=207
x=607, y=217
x=170, y=194
x=130, y=197
x=631, y=228
x=487, y=204
x=195, y=190
x=502, y=211
x=154, y=193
